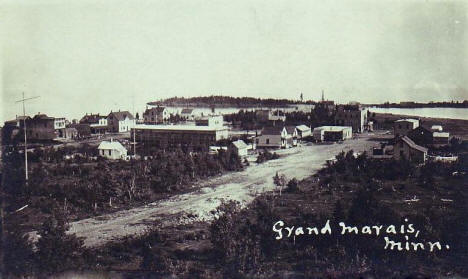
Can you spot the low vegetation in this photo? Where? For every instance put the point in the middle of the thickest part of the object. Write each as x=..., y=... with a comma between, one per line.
x=240, y=242
x=86, y=185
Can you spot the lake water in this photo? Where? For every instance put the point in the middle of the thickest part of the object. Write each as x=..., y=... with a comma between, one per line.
x=452, y=113
x=201, y=111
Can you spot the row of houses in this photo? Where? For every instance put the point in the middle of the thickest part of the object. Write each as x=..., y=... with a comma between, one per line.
x=39, y=127
x=42, y=127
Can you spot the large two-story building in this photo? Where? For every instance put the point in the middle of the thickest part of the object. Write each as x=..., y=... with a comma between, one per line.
x=353, y=116
x=277, y=137
x=402, y=127
x=97, y=123
x=120, y=122
x=163, y=136
x=156, y=115
x=41, y=127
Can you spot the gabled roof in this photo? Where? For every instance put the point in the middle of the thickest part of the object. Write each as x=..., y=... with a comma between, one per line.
x=120, y=115
x=302, y=128
x=91, y=118
x=22, y=117
x=156, y=110
x=111, y=145
x=413, y=145
x=17, y=120
x=290, y=129
x=239, y=144
x=275, y=130
x=43, y=117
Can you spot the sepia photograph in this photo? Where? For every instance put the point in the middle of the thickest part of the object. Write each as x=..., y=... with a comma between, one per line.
x=212, y=139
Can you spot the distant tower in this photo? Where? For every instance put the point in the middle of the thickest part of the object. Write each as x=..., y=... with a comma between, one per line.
x=302, y=97
x=323, y=98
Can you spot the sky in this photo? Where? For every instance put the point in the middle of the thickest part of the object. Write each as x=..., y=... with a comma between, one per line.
x=97, y=56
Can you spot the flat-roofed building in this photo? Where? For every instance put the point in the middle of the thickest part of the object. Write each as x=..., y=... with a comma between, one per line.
x=239, y=147
x=332, y=133
x=163, y=136
x=352, y=115
x=436, y=128
x=440, y=138
x=303, y=131
x=401, y=127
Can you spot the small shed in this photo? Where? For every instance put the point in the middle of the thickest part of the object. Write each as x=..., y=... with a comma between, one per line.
x=440, y=137
x=303, y=131
x=436, y=128
x=113, y=150
x=239, y=147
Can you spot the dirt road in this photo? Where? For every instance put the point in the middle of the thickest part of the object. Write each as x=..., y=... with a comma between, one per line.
x=299, y=162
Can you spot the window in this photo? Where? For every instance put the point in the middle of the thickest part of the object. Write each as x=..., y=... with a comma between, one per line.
x=109, y=152
x=267, y=141
x=401, y=153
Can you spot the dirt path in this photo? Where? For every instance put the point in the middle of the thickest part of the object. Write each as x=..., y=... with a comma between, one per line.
x=299, y=162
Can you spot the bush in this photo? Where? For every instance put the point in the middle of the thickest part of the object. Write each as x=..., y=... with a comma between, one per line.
x=57, y=250
x=292, y=186
x=266, y=156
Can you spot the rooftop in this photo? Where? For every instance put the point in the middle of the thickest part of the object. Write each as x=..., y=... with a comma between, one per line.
x=408, y=120
x=158, y=110
x=440, y=134
x=332, y=128
x=412, y=144
x=120, y=115
x=239, y=144
x=112, y=145
x=303, y=127
x=275, y=130
x=178, y=127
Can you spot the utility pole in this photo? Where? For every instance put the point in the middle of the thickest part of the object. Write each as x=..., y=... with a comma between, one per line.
x=25, y=137
x=134, y=126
